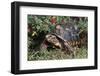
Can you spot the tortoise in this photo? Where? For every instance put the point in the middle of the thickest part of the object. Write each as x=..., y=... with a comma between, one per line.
x=67, y=39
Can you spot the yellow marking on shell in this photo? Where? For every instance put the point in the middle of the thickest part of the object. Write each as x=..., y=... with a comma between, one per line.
x=76, y=42
x=73, y=43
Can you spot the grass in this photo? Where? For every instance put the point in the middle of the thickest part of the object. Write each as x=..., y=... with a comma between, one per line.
x=56, y=54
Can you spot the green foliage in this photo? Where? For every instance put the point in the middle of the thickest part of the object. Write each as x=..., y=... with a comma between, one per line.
x=56, y=54
x=83, y=23
x=81, y=53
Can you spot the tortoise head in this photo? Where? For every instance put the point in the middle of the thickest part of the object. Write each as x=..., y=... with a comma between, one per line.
x=53, y=40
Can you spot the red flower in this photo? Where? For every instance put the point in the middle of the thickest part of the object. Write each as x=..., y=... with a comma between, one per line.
x=63, y=21
x=30, y=29
x=53, y=20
